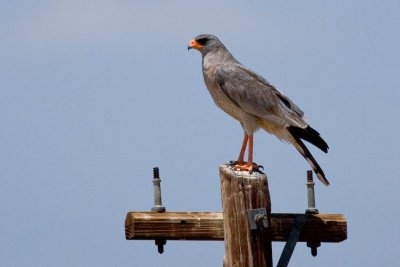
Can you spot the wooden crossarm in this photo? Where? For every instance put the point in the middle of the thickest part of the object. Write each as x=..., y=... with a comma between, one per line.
x=209, y=226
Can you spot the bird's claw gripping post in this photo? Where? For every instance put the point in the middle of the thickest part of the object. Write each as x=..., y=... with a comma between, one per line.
x=158, y=205
x=244, y=166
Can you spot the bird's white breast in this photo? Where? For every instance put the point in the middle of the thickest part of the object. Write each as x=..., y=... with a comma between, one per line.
x=249, y=122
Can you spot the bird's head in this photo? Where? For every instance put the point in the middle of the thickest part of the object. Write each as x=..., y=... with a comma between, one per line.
x=205, y=43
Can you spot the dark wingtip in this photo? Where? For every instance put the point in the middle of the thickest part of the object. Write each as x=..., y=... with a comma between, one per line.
x=321, y=177
x=310, y=135
x=300, y=146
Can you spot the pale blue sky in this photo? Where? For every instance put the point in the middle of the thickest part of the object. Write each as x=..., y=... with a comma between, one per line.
x=94, y=94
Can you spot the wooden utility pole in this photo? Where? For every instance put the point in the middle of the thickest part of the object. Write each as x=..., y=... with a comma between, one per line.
x=242, y=192
x=246, y=224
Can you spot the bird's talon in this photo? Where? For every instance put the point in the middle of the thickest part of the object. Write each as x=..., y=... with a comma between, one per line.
x=232, y=163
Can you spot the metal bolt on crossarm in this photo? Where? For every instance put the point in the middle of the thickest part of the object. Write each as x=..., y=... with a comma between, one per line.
x=158, y=205
x=311, y=209
x=157, y=191
x=310, y=194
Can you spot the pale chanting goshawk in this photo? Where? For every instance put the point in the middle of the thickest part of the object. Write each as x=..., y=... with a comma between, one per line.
x=255, y=103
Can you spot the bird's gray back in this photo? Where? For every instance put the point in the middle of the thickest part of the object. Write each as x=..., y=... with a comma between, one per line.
x=252, y=93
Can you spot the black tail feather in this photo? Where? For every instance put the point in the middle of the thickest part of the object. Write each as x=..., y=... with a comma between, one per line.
x=301, y=147
x=310, y=135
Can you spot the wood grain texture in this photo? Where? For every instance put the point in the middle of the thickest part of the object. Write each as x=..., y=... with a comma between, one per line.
x=174, y=225
x=318, y=227
x=147, y=225
x=240, y=192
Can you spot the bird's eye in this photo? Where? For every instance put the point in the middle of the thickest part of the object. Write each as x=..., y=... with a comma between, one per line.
x=202, y=41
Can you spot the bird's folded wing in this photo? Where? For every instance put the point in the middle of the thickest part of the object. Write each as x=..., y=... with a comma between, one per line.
x=256, y=96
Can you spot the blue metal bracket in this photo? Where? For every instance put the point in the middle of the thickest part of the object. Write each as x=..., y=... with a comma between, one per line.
x=291, y=243
x=298, y=226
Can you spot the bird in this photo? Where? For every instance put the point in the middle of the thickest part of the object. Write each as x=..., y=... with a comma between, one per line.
x=249, y=98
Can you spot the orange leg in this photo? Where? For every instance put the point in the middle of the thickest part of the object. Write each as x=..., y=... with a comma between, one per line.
x=249, y=165
x=243, y=149
x=250, y=155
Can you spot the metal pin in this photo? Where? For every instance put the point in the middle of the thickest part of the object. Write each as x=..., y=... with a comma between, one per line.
x=313, y=246
x=311, y=194
x=157, y=191
x=160, y=245
x=311, y=209
x=158, y=205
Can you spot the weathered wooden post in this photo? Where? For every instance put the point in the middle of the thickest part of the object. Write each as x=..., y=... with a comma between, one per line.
x=242, y=192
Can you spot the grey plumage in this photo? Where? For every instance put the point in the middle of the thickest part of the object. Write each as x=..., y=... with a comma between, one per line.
x=255, y=103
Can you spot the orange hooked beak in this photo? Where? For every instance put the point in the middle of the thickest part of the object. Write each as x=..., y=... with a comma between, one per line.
x=194, y=44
